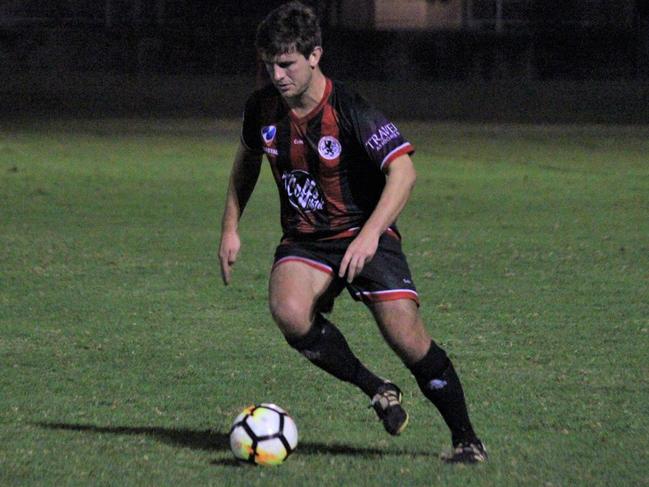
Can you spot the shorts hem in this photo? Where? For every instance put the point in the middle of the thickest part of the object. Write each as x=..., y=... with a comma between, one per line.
x=391, y=295
x=310, y=262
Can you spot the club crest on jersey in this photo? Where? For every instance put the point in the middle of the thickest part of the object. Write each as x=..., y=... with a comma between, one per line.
x=303, y=191
x=268, y=133
x=329, y=147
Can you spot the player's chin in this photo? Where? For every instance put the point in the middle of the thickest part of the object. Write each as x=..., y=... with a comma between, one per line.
x=287, y=91
x=287, y=95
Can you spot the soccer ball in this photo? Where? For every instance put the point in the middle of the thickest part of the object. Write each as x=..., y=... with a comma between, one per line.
x=263, y=434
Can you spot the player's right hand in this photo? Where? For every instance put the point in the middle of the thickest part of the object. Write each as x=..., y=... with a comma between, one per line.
x=228, y=251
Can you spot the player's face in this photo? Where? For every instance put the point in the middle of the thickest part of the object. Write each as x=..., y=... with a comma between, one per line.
x=291, y=73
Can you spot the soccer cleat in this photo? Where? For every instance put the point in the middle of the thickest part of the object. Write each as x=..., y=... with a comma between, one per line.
x=387, y=404
x=467, y=452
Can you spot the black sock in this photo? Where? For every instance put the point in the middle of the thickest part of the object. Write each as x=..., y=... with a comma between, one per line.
x=327, y=348
x=439, y=382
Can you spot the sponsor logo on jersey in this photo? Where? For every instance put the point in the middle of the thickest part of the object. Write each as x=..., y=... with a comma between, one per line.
x=298, y=141
x=329, y=147
x=268, y=133
x=382, y=136
x=303, y=191
x=270, y=150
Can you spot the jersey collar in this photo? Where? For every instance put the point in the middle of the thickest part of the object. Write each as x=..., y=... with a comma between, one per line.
x=316, y=109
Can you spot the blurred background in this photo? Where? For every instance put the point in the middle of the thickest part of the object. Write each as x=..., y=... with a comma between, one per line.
x=493, y=60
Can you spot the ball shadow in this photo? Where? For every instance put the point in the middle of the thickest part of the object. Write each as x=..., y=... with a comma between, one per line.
x=217, y=441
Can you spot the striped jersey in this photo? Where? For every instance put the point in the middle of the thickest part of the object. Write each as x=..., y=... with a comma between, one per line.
x=329, y=166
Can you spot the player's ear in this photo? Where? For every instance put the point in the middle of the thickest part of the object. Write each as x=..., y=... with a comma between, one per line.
x=314, y=57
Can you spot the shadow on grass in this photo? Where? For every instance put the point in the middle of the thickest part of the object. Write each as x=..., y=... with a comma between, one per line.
x=213, y=440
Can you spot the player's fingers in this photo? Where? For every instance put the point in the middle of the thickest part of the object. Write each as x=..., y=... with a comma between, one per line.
x=225, y=272
x=231, y=260
x=232, y=257
x=350, y=275
x=343, y=265
x=227, y=260
x=355, y=268
x=350, y=270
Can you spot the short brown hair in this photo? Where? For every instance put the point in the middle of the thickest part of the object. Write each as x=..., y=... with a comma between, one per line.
x=291, y=27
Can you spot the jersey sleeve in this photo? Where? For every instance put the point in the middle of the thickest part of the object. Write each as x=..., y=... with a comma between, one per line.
x=250, y=129
x=380, y=138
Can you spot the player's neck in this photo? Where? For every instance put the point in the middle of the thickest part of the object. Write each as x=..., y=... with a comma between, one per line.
x=307, y=101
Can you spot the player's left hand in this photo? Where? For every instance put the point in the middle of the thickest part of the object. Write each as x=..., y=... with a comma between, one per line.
x=359, y=253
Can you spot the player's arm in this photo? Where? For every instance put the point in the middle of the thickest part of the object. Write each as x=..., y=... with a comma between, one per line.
x=243, y=178
x=400, y=179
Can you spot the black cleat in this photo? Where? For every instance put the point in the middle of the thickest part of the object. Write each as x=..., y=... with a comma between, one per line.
x=387, y=404
x=467, y=452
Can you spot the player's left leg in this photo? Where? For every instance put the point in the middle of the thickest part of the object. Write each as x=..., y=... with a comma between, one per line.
x=403, y=329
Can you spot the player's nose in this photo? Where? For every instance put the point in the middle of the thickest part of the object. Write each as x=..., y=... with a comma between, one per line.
x=278, y=73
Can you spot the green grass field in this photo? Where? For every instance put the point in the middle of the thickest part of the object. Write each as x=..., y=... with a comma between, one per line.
x=124, y=359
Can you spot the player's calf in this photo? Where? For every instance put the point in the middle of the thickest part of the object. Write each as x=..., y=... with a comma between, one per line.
x=439, y=382
x=325, y=346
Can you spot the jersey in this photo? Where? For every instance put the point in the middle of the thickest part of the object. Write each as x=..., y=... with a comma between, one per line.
x=329, y=166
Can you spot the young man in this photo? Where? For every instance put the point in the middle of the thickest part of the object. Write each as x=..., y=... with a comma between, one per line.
x=344, y=174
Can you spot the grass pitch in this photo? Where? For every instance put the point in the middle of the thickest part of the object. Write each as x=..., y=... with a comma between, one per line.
x=124, y=359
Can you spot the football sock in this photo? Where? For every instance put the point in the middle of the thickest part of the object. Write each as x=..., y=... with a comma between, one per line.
x=325, y=346
x=439, y=382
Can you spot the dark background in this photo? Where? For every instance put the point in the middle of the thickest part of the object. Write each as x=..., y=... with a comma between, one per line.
x=76, y=58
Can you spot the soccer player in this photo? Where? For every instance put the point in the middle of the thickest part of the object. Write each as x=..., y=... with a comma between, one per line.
x=344, y=173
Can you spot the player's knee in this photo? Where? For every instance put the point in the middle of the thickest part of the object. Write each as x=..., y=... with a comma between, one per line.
x=405, y=333
x=292, y=316
x=304, y=341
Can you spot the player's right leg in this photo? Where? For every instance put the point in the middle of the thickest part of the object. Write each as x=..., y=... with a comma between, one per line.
x=297, y=291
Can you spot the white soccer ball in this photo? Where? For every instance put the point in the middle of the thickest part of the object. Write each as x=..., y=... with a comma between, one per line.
x=263, y=434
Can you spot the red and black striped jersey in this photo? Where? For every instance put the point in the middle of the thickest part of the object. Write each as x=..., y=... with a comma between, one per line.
x=329, y=166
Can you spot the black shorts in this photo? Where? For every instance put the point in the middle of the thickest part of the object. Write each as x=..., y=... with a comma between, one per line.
x=385, y=278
